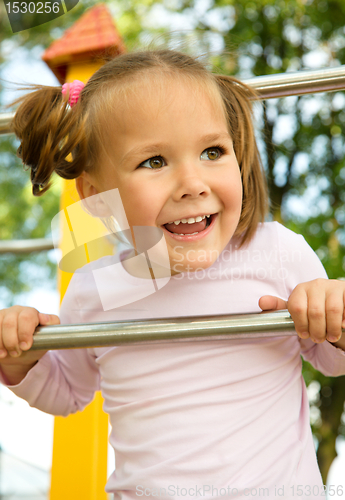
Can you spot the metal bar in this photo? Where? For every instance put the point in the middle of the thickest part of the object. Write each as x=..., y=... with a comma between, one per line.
x=269, y=86
x=5, y=123
x=299, y=82
x=26, y=246
x=229, y=327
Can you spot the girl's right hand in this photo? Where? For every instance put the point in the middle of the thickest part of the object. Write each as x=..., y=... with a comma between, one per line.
x=17, y=327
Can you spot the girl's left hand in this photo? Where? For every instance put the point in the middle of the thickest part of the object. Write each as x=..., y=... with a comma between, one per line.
x=317, y=309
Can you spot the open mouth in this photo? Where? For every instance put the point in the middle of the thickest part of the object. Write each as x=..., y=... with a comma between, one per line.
x=191, y=226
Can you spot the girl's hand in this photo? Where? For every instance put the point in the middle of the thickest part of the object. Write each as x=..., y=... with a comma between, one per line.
x=317, y=309
x=17, y=327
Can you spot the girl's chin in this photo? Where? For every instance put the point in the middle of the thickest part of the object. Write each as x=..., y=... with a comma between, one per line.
x=191, y=267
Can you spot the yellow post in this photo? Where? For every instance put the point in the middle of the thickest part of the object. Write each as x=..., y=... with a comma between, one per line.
x=79, y=469
x=79, y=466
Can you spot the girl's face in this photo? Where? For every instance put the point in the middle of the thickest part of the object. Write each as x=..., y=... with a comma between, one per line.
x=170, y=154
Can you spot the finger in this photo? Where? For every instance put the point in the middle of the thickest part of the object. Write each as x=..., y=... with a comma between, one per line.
x=271, y=303
x=334, y=316
x=48, y=319
x=27, y=322
x=317, y=314
x=9, y=334
x=3, y=352
x=298, y=308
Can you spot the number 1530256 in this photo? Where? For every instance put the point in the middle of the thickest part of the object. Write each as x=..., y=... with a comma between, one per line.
x=304, y=490
x=32, y=7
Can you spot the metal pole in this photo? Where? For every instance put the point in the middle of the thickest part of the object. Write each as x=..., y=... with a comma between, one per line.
x=25, y=246
x=229, y=327
x=299, y=82
x=5, y=123
x=270, y=86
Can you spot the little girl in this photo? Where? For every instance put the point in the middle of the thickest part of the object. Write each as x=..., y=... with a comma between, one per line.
x=193, y=419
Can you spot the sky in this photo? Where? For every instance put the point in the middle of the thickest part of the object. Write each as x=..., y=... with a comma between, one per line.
x=25, y=432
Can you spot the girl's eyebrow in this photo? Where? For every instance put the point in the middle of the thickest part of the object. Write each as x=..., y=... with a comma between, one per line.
x=143, y=150
x=222, y=136
x=156, y=148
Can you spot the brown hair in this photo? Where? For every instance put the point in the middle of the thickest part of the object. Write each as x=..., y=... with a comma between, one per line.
x=50, y=131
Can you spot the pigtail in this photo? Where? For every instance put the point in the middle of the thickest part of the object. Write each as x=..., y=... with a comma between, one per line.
x=57, y=138
x=49, y=131
x=237, y=98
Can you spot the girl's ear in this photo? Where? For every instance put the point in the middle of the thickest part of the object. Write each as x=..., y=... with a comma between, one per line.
x=85, y=186
x=91, y=198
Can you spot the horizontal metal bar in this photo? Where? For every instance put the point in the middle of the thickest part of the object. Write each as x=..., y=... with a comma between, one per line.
x=299, y=82
x=26, y=246
x=269, y=86
x=230, y=327
x=5, y=123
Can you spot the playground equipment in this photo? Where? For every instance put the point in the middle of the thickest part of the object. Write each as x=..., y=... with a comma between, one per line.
x=81, y=471
x=164, y=330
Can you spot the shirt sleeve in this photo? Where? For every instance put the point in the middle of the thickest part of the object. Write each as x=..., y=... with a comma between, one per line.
x=301, y=264
x=61, y=382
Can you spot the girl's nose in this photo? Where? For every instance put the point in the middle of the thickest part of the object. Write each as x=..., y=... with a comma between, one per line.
x=190, y=184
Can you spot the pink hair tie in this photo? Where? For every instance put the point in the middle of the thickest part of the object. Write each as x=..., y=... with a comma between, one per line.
x=74, y=90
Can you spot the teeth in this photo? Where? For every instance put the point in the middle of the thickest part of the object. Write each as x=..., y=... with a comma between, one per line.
x=189, y=234
x=191, y=220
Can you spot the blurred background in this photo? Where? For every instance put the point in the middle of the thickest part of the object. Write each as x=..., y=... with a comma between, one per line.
x=301, y=140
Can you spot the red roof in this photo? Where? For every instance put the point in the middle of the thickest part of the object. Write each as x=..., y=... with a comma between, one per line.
x=92, y=37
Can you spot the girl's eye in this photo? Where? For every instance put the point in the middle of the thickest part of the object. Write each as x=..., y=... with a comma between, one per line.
x=211, y=154
x=155, y=162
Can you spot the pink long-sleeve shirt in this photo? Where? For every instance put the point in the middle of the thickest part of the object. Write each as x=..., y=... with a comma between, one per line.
x=208, y=419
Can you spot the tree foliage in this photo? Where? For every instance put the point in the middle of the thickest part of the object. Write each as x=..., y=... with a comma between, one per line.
x=21, y=215
x=302, y=142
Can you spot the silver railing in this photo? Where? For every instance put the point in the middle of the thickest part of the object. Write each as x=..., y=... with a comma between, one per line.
x=185, y=328
x=26, y=246
x=154, y=331
x=5, y=123
x=299, y=82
